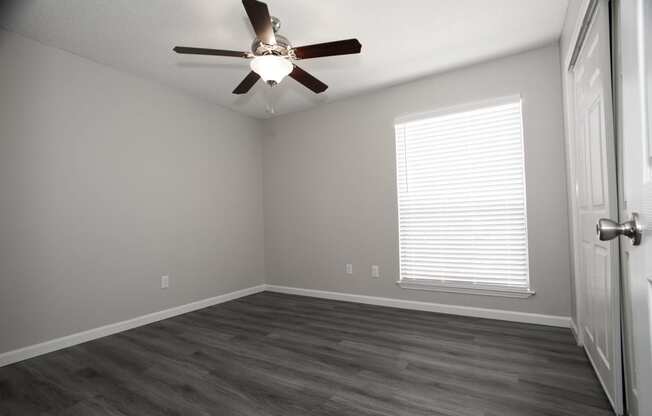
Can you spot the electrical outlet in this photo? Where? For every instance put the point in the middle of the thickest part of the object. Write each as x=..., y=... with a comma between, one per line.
x=375, y=272
x=349, y=269
x=165, y=282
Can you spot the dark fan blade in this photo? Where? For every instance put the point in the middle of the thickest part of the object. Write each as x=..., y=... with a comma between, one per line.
x=247, y=83
x=339, y=47
x=215, y=52
x=308, y=80
x=260, y=20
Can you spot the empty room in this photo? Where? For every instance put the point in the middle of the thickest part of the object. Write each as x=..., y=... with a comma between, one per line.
x=339, y=208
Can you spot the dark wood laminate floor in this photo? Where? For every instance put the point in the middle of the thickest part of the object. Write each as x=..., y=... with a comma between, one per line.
x=275, y=354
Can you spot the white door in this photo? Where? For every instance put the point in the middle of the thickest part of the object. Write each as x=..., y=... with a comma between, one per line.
x=634, y=64
x=596, y=177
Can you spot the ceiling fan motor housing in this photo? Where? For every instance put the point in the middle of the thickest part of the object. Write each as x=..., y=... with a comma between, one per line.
x=281, y=48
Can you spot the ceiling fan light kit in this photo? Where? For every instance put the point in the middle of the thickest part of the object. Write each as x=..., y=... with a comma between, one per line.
x=271, y=68
x=272, y=54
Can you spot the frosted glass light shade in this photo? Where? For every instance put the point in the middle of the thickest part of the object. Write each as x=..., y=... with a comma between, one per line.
x=271, y=67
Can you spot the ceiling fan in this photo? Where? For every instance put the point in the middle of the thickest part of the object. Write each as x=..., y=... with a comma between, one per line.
x=272, y=54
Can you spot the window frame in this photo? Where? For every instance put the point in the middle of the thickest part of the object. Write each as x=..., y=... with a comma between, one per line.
x=441, y=285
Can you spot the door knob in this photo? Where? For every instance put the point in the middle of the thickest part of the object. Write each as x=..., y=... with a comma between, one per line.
x=608, y=229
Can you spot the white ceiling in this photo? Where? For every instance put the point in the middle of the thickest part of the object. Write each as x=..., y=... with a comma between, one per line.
x=401, y=40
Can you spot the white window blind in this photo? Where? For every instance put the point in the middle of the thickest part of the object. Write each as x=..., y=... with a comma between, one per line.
x=461, y=197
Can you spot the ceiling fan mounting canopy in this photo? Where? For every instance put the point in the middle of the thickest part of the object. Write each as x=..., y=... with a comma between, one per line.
x=273, y=54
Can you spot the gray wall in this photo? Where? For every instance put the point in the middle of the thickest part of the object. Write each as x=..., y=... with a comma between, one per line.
x=330, y=188
x=108, y=182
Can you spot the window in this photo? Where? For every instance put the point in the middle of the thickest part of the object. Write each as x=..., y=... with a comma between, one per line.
x=461, y=200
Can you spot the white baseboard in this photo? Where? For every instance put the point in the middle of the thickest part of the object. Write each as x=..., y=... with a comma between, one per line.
x=503, y=315
x=21, y=354
x=575, y=331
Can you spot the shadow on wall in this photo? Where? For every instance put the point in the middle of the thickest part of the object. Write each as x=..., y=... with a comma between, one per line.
x=8, y=8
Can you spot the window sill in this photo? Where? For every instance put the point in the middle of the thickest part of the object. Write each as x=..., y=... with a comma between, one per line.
x=466, y=289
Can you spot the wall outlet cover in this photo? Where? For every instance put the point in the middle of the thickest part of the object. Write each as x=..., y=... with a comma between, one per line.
x=375, y=272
